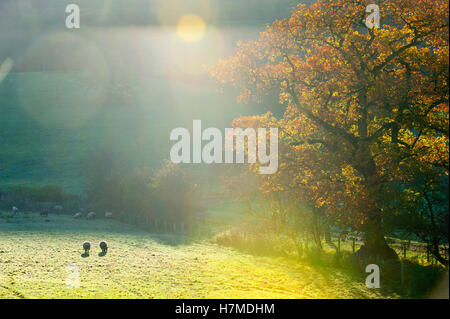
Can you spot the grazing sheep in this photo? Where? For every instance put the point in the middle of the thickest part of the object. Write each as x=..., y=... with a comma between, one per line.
x=44, y=213
x=86, y=247
x=91, y=215
x=58, y=209
x=15, y=210
x=103, y=246
x=108, y=215
x=77, y=215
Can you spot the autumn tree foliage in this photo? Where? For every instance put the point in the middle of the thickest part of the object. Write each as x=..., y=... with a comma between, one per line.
x=365, y=108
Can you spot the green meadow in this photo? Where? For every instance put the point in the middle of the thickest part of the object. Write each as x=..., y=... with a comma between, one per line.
x=361, y=149
x=36, y=251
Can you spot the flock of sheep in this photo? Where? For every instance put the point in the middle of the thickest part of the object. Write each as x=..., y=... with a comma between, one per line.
x=58, y=209
x=91, y=215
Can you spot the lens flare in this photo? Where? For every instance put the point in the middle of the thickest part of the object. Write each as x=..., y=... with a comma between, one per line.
x=191, y=28
x=5, y=67
x=62, y=88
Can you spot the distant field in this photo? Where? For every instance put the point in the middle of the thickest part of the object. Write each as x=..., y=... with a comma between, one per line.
x=35, y=252
x=49, y=121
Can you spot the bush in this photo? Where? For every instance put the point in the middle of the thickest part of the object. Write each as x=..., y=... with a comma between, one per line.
x=175, y=194
x=258, y=238
x=418, y=280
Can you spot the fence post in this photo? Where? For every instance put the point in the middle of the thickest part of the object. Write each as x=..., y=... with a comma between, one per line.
x=339, y=244
x=404, y=250
x=402, y=271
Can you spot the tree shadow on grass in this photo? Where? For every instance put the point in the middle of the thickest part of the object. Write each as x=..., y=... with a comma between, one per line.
x=176, y=239
x=102, y=253
x=84, y=255
x=344, y=267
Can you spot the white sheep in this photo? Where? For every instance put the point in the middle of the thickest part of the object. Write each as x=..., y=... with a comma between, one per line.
x=58, y=208
x=15, y=210
x=91, y=215
x=77, y=215
x=108, y=215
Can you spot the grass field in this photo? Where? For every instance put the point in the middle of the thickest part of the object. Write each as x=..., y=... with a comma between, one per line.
x=35, y=252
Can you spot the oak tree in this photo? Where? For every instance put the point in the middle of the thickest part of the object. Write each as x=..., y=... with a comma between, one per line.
x=365, y=108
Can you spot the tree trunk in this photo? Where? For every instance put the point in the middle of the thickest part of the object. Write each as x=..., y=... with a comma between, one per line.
x=436, y=253
x=376, y=245
x=435, y=241
x=316, y=231
x=327, y=232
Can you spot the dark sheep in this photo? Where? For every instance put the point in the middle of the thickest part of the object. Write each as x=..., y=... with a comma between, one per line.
x=103, y=246
x=86, y=247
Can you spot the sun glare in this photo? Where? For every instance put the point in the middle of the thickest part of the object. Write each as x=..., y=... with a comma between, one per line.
x=191, y=28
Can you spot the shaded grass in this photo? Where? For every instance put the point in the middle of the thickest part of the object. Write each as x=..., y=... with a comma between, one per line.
x=407, y=278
